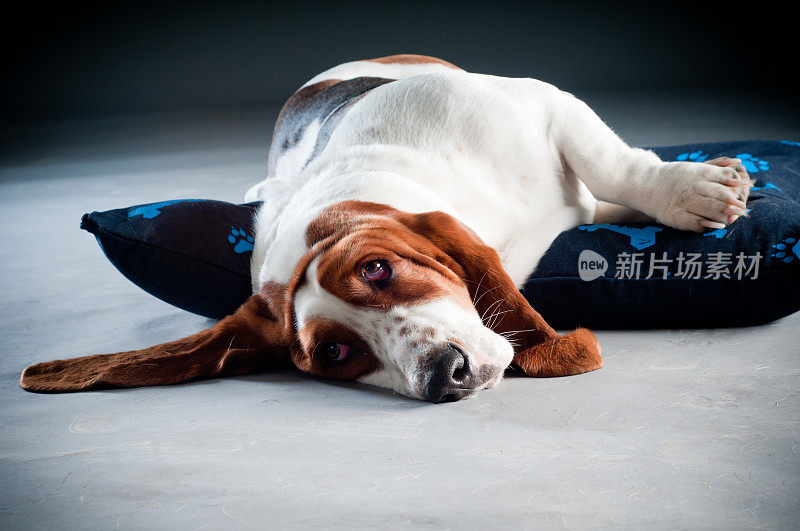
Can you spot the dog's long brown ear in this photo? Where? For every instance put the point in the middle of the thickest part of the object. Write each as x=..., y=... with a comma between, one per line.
x=253, y=339
x=539, y=350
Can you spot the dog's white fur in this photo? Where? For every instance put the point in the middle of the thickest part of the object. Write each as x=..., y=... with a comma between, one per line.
x=516, y=160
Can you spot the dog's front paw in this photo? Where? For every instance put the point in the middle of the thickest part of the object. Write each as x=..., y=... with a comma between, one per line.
x=695, y=196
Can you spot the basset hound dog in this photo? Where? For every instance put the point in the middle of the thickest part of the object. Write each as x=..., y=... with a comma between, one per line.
x=406, y=202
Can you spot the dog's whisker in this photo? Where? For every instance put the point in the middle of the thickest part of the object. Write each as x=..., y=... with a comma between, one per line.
x=498, y=312
x=478, y=288
x=518, y=331
x=488, y=308
x=484, y=294
x=496, y=316
x=230, y=344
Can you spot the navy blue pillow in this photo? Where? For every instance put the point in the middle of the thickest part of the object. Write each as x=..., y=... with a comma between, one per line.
x=195, y=254
x=191, y=253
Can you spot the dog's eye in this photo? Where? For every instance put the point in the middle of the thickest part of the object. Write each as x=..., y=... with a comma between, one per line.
x=376, y=271
x=335, y=351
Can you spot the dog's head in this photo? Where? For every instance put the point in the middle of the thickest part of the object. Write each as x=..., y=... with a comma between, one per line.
x=382, y=303
x=413, y=302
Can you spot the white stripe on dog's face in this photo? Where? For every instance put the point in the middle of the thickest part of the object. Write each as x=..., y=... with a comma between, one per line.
x=399, y=346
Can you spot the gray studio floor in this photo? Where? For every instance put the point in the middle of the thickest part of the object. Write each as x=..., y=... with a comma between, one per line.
x=681, y=429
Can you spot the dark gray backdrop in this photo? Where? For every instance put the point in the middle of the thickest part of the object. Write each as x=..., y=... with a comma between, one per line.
x=96, y=60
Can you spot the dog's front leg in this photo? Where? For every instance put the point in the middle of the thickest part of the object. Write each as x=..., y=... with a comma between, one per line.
x=685, y=195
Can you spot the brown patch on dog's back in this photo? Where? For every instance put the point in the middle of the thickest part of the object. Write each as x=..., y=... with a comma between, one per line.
x=411, y=59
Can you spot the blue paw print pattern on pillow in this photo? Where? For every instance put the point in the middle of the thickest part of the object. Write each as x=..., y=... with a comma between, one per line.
x=640, y=237
x=241, y=241
x=787, y=250
x=764, y=186
x=718, y=233
x=694, y=156
x=154, y=209
x=753, y=164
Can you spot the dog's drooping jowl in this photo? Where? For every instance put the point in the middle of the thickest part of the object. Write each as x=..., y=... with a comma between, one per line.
x=407, y=201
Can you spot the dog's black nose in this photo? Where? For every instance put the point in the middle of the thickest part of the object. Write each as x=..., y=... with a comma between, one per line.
x=452, y=375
